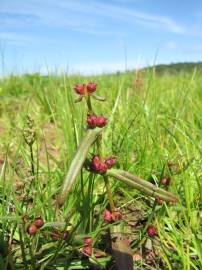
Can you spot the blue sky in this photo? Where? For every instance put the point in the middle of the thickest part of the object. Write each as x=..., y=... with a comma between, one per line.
x=97, y=36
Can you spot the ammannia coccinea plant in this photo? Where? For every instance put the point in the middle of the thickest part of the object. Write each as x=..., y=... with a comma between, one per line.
x=99, y=164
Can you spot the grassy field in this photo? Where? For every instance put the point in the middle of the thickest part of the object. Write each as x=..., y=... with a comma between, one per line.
x=154, y=129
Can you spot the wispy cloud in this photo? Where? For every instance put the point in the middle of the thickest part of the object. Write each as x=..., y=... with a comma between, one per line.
x=81, y=16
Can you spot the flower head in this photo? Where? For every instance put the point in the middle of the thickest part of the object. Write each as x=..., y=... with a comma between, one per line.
x=88, y=241
x=80, y=89
x=103, y=168
x=151, y=230
x=31, y=229
x=101, y=121
x=110, y=161
x=92, y=120
x=38, y=222
x=96, y=163
x=91, y=87
x=165, y=181
x=107, y=216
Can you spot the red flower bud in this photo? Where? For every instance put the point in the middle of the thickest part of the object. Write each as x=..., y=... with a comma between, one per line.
x=102, y=168
x=110, y=162
x=96, y=163
x=107, y=216
x=88, y=241
x=165, y=181
x=80, y=89
x=92, y=120
x=31, y=229
x=152, y=231
x=38, y=222
x=91, y=87
x=101, y=121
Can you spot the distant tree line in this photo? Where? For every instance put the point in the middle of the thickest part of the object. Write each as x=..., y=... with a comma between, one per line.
x=175, y=68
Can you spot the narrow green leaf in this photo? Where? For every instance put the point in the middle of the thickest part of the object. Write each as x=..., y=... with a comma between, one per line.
x=77, y=163
x=142, y=185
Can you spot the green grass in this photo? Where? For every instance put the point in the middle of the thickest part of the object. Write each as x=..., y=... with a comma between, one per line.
x=150, y=123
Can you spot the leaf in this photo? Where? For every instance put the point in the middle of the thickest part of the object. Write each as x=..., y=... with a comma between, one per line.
x=77, y=163
x=142, y=185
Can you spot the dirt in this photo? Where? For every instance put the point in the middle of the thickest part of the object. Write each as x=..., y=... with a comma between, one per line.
x=50, y=143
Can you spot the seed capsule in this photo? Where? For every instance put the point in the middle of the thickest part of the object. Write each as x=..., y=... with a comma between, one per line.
x=101, y=121
x=80, y=89
x=152, y=231
x=39, y=222
x=165, y=181
x=107, y=216
x=91, y=87
x=32, y=229
x=110, y=162
x=92, y=120
x=88, y=241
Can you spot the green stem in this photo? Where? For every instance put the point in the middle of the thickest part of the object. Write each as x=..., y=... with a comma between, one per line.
x=23, y=250
x=109, y=193
x=32, y=159
x=89, y=105
x=99, y=146
x=106, y=178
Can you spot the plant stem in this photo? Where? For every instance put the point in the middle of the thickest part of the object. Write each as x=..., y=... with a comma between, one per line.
x=89, y=105
x=23, y=250
x=106, y=179
x=109, y=193
x=32, y=159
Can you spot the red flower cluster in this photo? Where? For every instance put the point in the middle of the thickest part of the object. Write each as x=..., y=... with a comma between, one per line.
x=34, y=226
x=151, y=231
x=82, y=89
x=96, y=121
x=111, y=216
x=101, y=167
x=88, y=249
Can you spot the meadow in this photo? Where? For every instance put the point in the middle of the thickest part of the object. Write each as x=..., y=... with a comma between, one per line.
x=154, y=129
